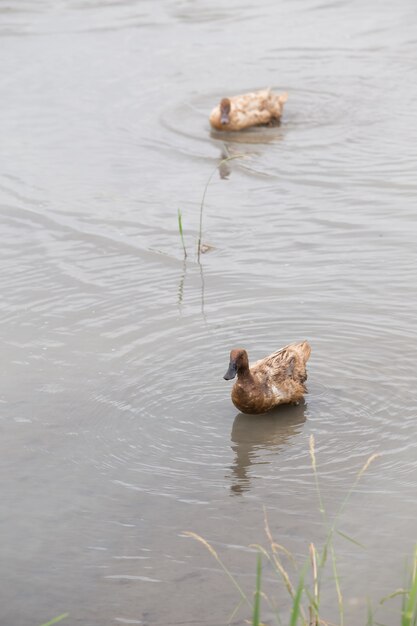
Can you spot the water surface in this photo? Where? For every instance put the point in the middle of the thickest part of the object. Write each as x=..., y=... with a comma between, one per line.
x=117, y=430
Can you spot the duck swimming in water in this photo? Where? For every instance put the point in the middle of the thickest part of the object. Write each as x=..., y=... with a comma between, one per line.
x=249, y=109
x=277, y=379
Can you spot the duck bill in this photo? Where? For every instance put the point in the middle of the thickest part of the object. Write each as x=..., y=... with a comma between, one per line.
x=224, y=118
x=231, y=372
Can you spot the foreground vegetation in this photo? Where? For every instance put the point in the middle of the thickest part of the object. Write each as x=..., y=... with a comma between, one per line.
x=306, y=593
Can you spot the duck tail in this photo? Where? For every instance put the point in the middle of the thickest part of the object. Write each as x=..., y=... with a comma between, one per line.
x=276, y=103
x=304, y=349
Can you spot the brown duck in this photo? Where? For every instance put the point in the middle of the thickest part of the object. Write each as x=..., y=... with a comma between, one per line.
x=250, y=109
x=277, y=379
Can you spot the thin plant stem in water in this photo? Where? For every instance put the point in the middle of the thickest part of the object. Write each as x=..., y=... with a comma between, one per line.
x=181, y=233
x=200, y=230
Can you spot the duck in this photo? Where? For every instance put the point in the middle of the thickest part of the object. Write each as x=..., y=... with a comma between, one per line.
x=277, y=379
x=250, y=109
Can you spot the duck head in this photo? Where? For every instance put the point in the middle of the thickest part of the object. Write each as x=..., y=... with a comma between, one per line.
x=225, y=106
x=239, y=363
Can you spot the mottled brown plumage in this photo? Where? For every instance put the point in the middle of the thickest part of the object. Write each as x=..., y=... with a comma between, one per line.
x=277, y=379
x=249, y=109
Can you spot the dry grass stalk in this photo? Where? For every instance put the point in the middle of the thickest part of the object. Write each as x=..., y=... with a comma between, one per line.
x=314, y=616
x=367, y=464
x=213, y=552
x=275, y=547
x=279, y=568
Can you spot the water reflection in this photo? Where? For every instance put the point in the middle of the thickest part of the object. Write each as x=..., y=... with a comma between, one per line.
x=183, y=278
x=264, y=134
x=224, y=165
x=255, y=437
x=181, y=284
x=242, y=149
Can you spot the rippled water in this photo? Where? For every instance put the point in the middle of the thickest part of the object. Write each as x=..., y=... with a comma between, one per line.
x=117, y=430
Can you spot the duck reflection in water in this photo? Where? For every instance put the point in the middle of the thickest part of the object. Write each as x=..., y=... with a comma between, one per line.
x=254, y=438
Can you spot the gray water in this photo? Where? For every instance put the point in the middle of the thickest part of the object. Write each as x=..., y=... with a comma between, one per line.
x=117, y=429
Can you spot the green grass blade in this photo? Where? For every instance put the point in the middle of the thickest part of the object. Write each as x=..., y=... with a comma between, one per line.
x=296, y=606
x=409, y=613
x=55, y=620
x=257, y=601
